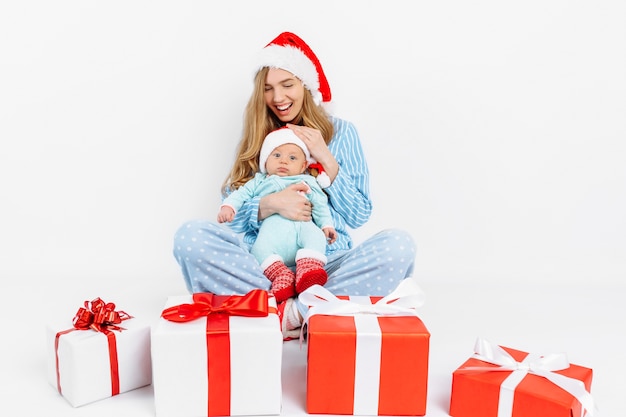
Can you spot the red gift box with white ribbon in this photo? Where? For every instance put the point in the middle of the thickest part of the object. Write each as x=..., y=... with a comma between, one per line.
x=503, y=382
x=217, y=356
x=366, y=355
x=99, y=354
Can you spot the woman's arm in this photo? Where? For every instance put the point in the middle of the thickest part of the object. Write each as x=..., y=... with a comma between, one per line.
x=349, y=193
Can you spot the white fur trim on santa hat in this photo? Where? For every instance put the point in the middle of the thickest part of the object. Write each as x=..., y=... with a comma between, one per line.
x=279, y=137
x=292, y=59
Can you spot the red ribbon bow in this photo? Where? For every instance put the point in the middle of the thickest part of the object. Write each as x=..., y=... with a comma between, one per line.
x=253, y=304
x=99, y=316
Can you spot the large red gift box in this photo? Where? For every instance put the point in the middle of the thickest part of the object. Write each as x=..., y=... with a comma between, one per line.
x=366, y=357
x=503, y=382
x=217, y=356
x=99, y=354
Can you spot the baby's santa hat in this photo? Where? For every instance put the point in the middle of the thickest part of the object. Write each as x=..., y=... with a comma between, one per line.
x=290, y=53
x=285, y=135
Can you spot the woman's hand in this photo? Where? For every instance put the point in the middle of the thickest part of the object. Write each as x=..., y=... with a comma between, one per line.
x=289, y=203
x=314, y=141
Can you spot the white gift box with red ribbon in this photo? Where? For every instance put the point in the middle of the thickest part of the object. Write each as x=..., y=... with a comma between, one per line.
x=366, y=355
x=90, y=365
x=229, y=368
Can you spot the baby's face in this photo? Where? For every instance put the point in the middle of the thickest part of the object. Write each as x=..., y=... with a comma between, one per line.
x=285, y=160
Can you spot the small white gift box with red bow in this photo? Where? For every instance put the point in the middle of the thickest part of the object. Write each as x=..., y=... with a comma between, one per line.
x=366, y=355
x=218, y=356
x=99, y=354
x=504, y=382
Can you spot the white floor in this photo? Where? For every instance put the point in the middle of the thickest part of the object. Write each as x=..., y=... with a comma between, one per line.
x=586, y=322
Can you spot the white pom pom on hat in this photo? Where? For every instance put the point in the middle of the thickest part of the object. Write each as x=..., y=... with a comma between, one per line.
x=290, y=53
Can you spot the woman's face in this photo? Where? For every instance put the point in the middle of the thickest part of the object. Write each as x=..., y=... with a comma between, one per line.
x=284, y=94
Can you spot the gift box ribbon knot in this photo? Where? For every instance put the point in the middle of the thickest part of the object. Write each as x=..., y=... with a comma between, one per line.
x=252, y=304
x=403, y=301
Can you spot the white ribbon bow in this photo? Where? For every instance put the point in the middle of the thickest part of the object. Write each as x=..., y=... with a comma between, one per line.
x=403, y=301
x=543, y=366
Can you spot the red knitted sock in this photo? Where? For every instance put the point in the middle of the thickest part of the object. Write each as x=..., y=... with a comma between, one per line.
x=309, y=271
x=283, y=281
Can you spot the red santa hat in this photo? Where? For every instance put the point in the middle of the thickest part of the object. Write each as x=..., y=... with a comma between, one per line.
x=285, y=135
x=290, y=53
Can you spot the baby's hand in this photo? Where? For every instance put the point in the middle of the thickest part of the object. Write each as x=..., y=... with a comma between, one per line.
x=331, y=234
x=226, y=214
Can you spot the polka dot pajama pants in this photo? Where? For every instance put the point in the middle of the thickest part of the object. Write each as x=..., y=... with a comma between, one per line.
x=215, y=259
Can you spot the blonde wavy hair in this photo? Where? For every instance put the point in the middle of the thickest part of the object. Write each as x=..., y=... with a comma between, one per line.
x=259, y=121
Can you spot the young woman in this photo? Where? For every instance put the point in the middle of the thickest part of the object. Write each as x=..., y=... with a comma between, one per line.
x=290, y=88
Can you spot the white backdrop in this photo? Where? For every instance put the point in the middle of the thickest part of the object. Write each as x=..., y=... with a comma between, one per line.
x=495, y=131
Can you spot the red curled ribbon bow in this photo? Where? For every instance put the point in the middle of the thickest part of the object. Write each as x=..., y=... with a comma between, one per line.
x=99, y=316
x=253, y=304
